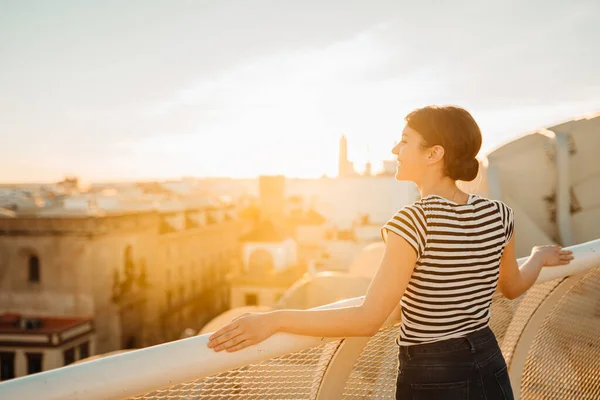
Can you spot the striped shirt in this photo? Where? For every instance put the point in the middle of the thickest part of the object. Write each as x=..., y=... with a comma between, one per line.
x=458, y=248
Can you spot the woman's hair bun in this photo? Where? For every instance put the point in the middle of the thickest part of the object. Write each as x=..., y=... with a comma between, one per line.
x=464, y=170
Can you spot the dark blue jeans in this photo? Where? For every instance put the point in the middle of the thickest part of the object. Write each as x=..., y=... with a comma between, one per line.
x=470, y=367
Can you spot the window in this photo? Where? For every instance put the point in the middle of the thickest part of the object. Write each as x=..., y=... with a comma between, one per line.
x=84, y=350
x=34, y=269
x=34, y=362
x=143, y=279
x=169, y=299
x=128, y=265
x=69, y=356
x=130, y=343
x=251, y=299
x=7, y=366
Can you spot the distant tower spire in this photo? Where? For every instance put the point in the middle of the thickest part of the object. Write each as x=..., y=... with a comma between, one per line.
x=368, y=171
x=343, y=157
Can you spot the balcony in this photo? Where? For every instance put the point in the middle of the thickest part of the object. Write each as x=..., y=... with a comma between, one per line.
x=549, y=337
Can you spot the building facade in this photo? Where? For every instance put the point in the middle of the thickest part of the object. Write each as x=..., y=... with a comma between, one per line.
x=141, y=277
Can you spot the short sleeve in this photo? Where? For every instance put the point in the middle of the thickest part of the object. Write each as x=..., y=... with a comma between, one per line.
x=410, y=224
x=508, y=220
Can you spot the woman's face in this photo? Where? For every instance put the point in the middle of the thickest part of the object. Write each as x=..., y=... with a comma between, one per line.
x=411, y=156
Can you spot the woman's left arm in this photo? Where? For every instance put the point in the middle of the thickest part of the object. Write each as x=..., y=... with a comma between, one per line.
x=383, y=295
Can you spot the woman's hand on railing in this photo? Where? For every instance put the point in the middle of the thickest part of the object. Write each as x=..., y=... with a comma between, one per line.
x=246, y=330
x=551, y=256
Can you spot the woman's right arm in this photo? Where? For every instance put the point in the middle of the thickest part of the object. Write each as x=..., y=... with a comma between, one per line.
x=515, y=280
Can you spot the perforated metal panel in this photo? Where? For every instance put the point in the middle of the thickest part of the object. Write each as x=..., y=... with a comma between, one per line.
x=375, y=370
x=293, y=376
x=564, y=361
x=503, y=311
x=526, y=307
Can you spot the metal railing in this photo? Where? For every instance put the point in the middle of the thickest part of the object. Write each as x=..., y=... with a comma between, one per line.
x=548, y=337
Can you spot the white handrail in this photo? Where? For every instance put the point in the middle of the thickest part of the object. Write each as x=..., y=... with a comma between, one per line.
x=587, y=256
x=141, y=371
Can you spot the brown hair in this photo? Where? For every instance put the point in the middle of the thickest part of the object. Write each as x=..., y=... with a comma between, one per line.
x=456, y=131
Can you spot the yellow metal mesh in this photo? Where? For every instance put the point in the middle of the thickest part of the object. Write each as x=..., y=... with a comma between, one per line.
x=564, y=360
x=503, y=311
x=527, y=304
x=293, y=376
x=374, y=373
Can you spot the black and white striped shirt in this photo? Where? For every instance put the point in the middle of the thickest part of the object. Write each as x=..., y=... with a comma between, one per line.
x=458, y=248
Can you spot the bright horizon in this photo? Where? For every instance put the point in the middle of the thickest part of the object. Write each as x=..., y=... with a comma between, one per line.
x=121, y=93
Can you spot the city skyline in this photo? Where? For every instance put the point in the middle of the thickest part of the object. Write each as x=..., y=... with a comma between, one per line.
x=233, y=90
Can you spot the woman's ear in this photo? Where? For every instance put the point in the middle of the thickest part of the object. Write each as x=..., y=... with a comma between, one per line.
x=436, y=153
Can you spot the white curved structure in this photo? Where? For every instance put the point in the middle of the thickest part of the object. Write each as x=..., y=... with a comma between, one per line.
x=550, y=178
x=367, y=262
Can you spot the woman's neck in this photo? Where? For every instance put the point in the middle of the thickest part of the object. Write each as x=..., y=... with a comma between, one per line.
x=445, y=188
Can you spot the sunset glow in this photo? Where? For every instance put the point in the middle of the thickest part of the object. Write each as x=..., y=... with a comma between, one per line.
x=269, y=96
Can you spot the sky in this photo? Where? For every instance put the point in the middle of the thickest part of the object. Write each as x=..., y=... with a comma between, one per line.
x=117, y=90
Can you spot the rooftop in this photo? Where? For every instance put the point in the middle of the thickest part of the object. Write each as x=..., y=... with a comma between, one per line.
x=265, y=232
x=11, y=323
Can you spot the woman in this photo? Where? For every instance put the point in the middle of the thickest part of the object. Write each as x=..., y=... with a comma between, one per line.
x=445, y=257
